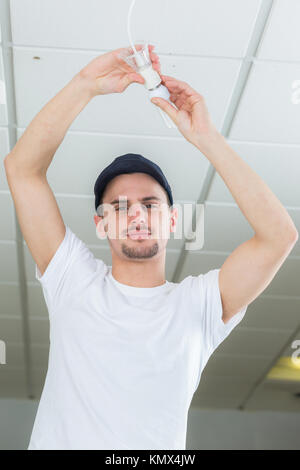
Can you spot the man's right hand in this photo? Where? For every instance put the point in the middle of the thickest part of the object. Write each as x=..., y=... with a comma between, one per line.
x=108, y=73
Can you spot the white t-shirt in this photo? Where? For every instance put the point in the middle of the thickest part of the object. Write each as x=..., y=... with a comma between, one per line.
x=124, y=362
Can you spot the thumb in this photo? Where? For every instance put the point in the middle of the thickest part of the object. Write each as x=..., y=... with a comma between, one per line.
x=166, y=107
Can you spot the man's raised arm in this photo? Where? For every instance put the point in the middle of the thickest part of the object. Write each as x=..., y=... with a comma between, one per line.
x=26, y=165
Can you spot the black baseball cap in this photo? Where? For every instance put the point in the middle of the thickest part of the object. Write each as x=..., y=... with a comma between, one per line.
x=130, y=163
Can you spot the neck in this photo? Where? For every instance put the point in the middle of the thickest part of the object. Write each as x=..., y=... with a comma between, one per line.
x=139, y=273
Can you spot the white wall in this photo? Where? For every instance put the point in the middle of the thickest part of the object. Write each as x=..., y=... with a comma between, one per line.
x=207, y=429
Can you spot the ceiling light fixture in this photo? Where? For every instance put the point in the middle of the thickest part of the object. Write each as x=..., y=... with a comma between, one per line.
x=141, y=63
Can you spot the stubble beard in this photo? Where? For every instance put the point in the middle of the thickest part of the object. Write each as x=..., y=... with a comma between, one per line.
x=140, y=252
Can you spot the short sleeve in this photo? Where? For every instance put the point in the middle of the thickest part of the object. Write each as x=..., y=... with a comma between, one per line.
x=72, y=263
x=215, y=329
x=209, y=314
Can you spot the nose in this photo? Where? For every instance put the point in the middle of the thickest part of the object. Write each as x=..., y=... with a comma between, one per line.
x=138, y=214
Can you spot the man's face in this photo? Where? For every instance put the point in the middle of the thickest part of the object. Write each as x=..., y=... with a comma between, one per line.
x=137, y=218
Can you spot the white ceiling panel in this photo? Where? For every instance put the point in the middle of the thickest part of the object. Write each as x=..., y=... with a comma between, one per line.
x=83, y=156
x=11, y=329
x=39, y=331
x=272, y=398
x=208, y=28
x=289, y=350
x=275, y=164
x=3, y=107
x=258, y=342
x=266, y=112
x=14, y=355
x=220, y=392
x=278, y=313
x=7, y=230
x=12, y=382
x=36, y=301
x=219, y=234
x=40, y=355
x=8, y=265
x=249, y=368
x=282, y=35
x=10, y=300
x=286, y=281
x=36, y=84
x=39, y=377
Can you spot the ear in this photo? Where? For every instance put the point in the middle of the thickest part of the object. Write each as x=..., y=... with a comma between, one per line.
x=100, y=230
x=173, y=219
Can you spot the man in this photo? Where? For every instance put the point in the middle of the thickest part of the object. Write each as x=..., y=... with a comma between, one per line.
x=128, y=347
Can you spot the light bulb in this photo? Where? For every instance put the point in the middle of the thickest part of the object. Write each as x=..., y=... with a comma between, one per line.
x=140, y=61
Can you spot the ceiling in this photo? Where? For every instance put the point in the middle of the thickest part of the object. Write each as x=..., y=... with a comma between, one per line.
x=243, y=57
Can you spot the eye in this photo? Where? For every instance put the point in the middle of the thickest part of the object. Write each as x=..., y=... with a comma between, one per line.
x=152, y=206
x=121, y=208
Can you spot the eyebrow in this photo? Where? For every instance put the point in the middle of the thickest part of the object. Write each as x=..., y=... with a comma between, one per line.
x=144, y=199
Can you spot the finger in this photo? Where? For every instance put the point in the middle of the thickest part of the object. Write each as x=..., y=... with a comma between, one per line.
x=179, y=85
x=166, y=106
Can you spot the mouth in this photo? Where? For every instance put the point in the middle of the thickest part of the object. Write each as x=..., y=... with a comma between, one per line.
x=139, y=235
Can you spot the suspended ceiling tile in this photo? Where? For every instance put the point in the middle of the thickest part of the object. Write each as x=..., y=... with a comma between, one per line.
x=266, y=112
x=219, y=28
x=36, y=84
x=11, y=329
x=199, y=263
x=3, y=106
x=7, y=229
x=293, y=346
x=278, y=313
x=8, y=265
x=235, y=232
x=246, y=341
x=286, y=280
x=10, y=300
x=250, y=368
x=271, y=398
x=277, y=165
x=39, y=331
x=83, y=156
x=221, y=392
x=14, y=355
x=225, y=227
x=36, y=301
x=12, y=382
x=40, y=355
x=172, y=258
x=281, y=38
x=39, y=377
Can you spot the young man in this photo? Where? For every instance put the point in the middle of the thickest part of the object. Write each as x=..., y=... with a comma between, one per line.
x=128, y=347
